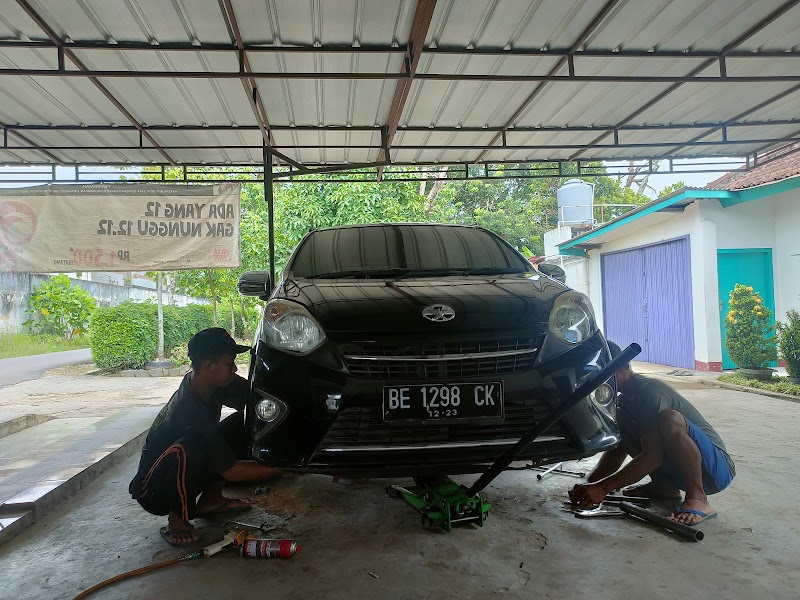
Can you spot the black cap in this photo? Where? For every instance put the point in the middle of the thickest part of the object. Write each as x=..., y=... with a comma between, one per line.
x=614, y=349
x=213, y=342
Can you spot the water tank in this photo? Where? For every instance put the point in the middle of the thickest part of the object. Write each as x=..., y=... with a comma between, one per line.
x=575, y=202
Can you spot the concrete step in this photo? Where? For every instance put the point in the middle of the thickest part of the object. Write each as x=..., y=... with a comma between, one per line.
x=46, y=463
x=14, y=423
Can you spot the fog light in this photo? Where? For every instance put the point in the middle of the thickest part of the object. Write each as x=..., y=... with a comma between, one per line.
x=267, y=410
x=604, y=394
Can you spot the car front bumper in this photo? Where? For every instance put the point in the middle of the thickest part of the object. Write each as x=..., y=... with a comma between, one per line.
x=334, y=422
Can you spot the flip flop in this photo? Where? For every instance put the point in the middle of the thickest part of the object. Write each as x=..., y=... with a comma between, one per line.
x=166, y=535
x=226, y=509
x=703, y=516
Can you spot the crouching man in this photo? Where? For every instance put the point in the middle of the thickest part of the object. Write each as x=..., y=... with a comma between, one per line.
x=189, y=452
x=669, y=440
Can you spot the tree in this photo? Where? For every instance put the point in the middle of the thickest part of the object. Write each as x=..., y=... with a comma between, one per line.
x=57, y=308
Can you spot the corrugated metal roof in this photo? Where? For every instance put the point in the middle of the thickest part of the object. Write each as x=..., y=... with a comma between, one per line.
x=507, y=80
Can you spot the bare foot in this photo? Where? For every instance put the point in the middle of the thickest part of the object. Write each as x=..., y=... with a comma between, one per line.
x=180, y=532
x=685, y=517
x=653, y=490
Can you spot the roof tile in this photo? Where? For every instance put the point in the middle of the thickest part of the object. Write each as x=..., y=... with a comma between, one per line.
x=774, y=166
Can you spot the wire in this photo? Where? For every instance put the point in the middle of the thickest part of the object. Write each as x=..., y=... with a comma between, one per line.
x=147, y=569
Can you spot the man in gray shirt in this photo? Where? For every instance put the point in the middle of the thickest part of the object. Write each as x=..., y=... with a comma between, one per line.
x=669, y=440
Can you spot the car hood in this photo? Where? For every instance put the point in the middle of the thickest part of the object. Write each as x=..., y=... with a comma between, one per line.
x=383, y=305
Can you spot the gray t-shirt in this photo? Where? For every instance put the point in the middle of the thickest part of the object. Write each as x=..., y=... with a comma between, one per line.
x=638, y=409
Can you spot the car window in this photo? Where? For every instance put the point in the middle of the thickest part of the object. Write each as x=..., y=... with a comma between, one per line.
x=397, y=248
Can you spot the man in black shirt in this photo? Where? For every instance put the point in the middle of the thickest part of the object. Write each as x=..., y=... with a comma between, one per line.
x=669, y=440
x=188, y=451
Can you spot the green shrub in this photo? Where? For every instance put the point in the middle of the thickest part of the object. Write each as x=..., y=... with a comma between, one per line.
x=749, y=339
x=776, y=384
x=57, y=308
x=122, y=337
x=789, y=342
x=180, y=355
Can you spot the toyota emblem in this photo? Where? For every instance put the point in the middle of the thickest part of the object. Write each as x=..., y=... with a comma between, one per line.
x=438, y=313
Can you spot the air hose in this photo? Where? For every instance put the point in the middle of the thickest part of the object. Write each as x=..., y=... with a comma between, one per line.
x=134, y=573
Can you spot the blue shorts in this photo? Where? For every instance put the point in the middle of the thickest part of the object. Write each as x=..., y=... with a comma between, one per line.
x=716, y=470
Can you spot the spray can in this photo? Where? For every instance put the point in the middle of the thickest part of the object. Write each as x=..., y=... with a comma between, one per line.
x=263, y=548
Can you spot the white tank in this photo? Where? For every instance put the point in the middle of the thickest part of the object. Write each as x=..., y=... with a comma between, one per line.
x=575, y=202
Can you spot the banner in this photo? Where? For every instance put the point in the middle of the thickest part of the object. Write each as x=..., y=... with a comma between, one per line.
x=119, y=227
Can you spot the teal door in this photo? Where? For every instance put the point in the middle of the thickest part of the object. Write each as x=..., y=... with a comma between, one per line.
x=748, y=266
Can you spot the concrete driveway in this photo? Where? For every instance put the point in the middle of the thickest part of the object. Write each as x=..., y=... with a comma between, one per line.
x=25, y=368
x=360, y=544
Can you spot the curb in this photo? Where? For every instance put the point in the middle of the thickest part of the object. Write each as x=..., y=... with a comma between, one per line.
x=730, y=386
x=32, y=512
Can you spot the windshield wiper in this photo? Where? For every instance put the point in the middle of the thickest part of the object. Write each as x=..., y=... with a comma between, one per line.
x=398, y=272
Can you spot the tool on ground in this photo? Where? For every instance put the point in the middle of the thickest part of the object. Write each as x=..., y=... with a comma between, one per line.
x=443, y=503
x=682, y=530
x=623, y=508
x=616, y=501
x=556, y=469
x=237, y=537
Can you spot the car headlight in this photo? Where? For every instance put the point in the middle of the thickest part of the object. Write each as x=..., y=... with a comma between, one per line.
x=289, y=326
x=605, y=399
x=572, y=318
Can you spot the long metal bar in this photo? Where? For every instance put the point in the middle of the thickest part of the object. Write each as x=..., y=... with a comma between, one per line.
x=249, y=84
x=411, y=128
x=584, y=35
x=416, y=43
x=653, y=144
x=256, y=48
x=583, y=390
x=83, y=72
x=55, y=39
x=726, y=50
x=269, y=198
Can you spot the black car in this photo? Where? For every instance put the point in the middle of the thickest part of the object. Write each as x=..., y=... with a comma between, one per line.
x=419, y=349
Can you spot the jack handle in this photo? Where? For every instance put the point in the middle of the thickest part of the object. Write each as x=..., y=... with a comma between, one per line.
x=579, y=394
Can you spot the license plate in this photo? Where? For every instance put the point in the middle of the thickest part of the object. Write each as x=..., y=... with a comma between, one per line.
x=443, y=401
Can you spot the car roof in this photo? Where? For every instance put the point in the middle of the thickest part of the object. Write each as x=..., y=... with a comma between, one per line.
x=404, y=224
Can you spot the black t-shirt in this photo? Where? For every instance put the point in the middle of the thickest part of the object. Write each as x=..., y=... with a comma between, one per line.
x=638, y=409
x=188, y=412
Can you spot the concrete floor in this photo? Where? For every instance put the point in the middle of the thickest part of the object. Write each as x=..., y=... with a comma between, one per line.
x=528, y=548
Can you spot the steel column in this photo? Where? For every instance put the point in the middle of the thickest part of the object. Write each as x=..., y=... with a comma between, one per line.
x=270, y=200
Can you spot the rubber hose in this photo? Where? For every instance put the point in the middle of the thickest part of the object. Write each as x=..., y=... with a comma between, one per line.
x=147, y=569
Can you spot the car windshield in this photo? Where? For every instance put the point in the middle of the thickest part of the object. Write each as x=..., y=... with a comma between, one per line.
x=404, y=250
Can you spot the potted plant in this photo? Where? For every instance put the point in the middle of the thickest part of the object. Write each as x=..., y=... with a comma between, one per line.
x=750, y=340
x=789, y=344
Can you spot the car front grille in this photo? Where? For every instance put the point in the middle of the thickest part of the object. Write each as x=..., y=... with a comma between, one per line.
x=432, y=359
x=363, y=428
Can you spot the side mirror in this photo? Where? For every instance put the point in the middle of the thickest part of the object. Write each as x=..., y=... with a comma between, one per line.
x=553, y=271
x=254, y=283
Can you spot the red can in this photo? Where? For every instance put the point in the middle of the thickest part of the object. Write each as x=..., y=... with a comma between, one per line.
x=262, y=548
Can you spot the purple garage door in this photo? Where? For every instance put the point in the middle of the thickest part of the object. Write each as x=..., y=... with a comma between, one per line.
x=647, y=299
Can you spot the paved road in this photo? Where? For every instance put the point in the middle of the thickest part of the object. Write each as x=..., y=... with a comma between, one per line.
x=24, y=368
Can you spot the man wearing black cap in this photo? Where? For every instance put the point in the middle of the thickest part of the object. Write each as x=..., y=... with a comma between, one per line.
x=669, y=440
x=188, y=451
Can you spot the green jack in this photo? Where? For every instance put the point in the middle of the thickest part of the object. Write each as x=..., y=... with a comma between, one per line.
x=442, y=502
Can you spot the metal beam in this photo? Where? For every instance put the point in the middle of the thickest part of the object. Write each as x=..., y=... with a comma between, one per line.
x=729, y=48
x=584, y=35
x=83, y=72
x=58, y=42
x=372, y=49
x=416, y=43
x=410, y=128
x=513, y=147
x=249, y=84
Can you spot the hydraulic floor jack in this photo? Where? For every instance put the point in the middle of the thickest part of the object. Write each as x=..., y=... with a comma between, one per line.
x=443, y=503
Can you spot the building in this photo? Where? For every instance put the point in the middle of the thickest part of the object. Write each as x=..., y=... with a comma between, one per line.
x=660, y=275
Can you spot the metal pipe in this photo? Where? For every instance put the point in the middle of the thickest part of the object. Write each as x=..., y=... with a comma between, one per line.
x=269, y=198
x=592, y=383
x=682, y=530
x=136, y=74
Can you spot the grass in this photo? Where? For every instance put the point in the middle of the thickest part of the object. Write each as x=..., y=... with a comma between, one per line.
x=13, y=345
x=776, y=385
